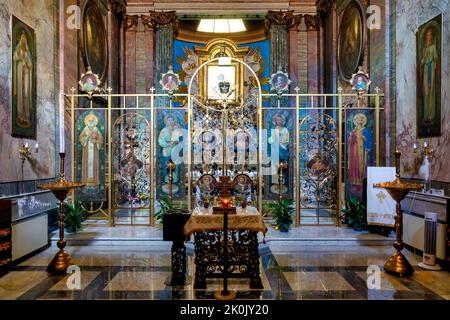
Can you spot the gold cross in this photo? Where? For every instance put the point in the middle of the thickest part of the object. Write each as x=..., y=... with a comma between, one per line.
x=224, y=186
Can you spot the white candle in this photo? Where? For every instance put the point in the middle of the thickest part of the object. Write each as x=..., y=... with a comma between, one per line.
x=61, y=124
x=425, y=144
x=415, y=146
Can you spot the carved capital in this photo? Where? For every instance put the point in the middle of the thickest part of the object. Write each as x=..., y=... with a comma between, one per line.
x=293, y=23
x=163, y=18
x=279, y=17
x=148, y=23
x=284, y=18
x=130, y=22
x=117, y=6
x=324, y=7
x=312, y=22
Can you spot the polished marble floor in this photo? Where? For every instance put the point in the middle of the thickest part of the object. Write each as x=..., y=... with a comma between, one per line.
x=288, y=272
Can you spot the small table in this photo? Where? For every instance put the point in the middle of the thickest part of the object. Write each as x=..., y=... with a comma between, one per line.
x=243, y=228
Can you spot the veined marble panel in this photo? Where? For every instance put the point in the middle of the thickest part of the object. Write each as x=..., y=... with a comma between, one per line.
x=42, y=164
x=409, y=17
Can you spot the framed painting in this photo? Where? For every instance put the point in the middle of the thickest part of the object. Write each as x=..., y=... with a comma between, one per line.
x=429, y=91
x=94, y=40
x=90, y=141
x=221, y=82
x=351, y=41
x=23, y=77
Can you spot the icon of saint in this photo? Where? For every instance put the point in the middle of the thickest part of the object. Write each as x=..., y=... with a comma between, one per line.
x=23, y=79
x=91, y=139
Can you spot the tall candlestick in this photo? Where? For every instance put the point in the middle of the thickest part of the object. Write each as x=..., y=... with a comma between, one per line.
x=61, y=124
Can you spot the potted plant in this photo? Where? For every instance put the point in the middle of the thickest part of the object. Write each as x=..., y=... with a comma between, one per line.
x=282, y=212
x=166, y=207
x=355, y=214
x=207, y=200
x=74, y=214
x=241, y=201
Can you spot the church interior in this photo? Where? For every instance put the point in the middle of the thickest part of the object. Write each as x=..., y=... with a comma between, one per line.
x=224, y=150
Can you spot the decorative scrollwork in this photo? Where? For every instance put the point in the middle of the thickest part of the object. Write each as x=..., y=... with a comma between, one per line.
x=318, y=163
x=131, y=161
x=243, y=256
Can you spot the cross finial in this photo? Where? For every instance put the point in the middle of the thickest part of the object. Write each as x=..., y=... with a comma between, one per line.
x=224, y=186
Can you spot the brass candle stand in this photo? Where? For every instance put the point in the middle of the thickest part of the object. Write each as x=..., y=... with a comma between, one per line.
x=60, y=188
x=281, y=166
x=170, y=165
x=397, y=263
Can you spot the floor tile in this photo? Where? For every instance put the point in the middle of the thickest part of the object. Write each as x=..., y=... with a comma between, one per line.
x=317, y=281
x=16, y=283
x=138, y=281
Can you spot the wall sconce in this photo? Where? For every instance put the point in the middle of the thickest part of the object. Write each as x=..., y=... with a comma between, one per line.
x=426, y=150
x=25, y=151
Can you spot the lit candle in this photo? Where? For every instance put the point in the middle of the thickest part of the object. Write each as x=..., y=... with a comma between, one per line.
x=36, y=147
x=225, y=203
x=61, y=124
x=425, y=144
x=415, y=146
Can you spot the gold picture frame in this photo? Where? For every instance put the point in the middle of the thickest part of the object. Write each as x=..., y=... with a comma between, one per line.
x=221, y=48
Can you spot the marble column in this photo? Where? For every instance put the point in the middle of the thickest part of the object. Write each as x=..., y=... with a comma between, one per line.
x=302, y=60
x=150, y=52
x=116, y=10
x=314, y=57
x=130, y=26
x=293, y=52
x=282, y=27
x=165, y=25
x=277, y=22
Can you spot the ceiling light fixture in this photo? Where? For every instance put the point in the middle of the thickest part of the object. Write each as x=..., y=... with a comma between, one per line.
x=221, y=25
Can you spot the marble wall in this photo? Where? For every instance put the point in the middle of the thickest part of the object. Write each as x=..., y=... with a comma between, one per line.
x=41, y=16
x=409, y=16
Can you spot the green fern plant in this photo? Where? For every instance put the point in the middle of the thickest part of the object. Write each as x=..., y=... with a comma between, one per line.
x=355, y=214
x=165, y=207
x=282, y=212
x=74, y=214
